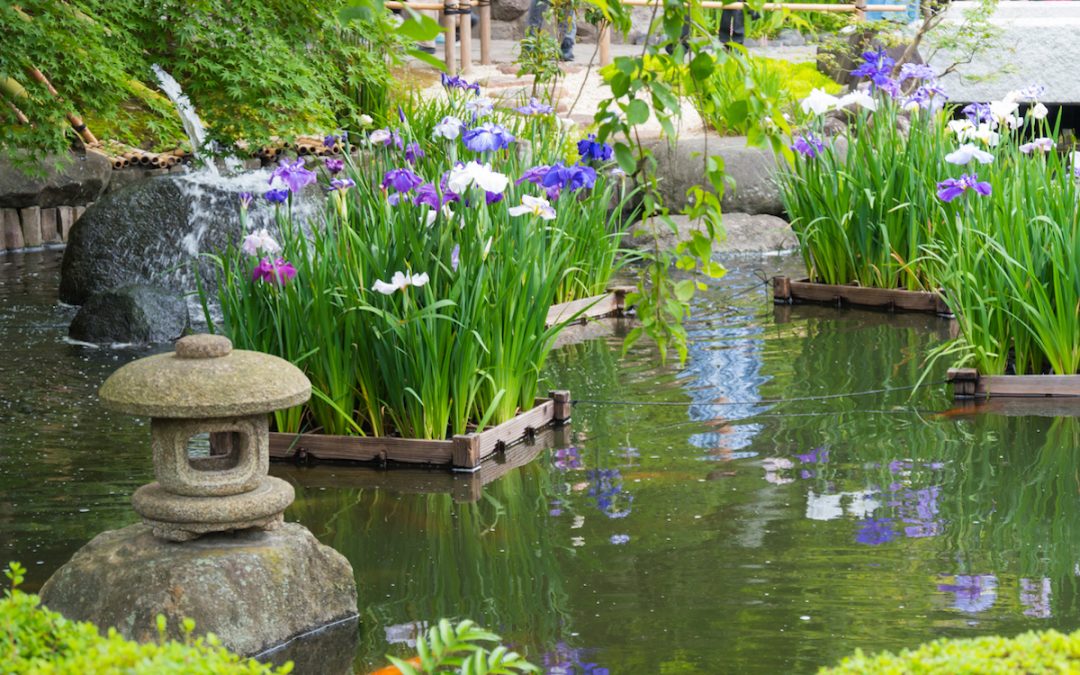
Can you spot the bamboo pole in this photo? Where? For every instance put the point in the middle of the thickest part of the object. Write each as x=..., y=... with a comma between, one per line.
x=448, y=21
x=465, y=26
x=860, y=10
x=76, y=122
x=605, y=43
x=485, y=33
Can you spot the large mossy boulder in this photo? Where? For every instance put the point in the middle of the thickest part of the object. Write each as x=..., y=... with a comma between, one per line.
x=253, y=589
x=149, y=232
x=71, y=180
x=131, y=314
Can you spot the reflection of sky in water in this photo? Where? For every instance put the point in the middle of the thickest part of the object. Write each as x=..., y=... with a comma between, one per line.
x=725, y=365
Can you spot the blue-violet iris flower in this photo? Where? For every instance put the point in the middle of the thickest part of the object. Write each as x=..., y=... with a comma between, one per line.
x=277, y=196
x=334, y=165
x=951, y=188
x=402, y=180
x=413, y=152
x=458, y=82
x=293, y=174
x=808, y=146
x=573, y=177
x=589, y=149
x=488, y=137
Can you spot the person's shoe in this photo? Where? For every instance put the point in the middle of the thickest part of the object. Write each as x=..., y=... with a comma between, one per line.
x=566, y=56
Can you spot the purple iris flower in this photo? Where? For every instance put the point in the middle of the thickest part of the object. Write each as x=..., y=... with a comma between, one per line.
x=535, y=107
x=341, y=184
x=951, y=188
x=277, y=271
x=974, y=593
x=428, y=195
x=877, y=67
x=401, y=115
x=488, y=137
x=245, y=200
x=413, y=152
x=875, y=531
x=277, y=196
x=917, y=71
x=387, y=137
x=459, y=82
x=978, y=113
x=402, y=180
x=808, y=146
x=448, y=195
x=589, y=149
x=535, y=175
x=330, y=141
x=573, y=177
x=334, y=165
x=928, y=95
x=455, y=257
x=493, y=198
x=293, y=174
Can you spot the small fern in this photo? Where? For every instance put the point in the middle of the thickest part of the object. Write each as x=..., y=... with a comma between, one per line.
x=447, y=648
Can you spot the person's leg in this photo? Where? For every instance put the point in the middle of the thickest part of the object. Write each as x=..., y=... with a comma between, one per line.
x=737, y=26
x=569, y=35
x=535, y=19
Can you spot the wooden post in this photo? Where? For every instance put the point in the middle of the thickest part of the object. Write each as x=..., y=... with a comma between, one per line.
x=562, y=405
x=964, y=381
x=465, y=26
x=605, y=44
x=66, y=216
x=448, y=22
x=860, y=10
x=13, y=238
x=620, y=293
x=466, y=452
x=942, y=305
x=50, y=232
x=781, y=290
x=485, y=33
x=31, y=225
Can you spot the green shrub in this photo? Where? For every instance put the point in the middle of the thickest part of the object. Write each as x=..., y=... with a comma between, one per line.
x=1034, y=652
x=35, y=640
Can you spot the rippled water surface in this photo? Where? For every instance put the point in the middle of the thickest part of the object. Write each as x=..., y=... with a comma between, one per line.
x=745, y=521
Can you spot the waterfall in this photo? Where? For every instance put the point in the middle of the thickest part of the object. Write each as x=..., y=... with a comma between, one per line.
x=193, y=126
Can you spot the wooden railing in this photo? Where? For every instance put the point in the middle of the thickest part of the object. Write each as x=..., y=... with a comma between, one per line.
x=463, y=22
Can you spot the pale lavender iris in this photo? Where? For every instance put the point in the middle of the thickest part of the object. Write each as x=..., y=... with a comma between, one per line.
x=293, y=174
x=978, y=113
x=974, y=593
x=277, y=271
x=335, y=165
x=277, y=196
x=341, y=184
x=808, y=146
x=402, y=180
x=951, y=188
x=1035, y=597
x=413, y=152
x=488, y=137
x=917, y=71
x=245, y=200
x=455, y=257
x=535, y=107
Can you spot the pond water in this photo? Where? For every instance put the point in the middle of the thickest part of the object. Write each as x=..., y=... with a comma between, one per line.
x=746, y=520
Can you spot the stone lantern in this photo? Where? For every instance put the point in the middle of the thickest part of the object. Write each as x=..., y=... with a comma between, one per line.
x=206, y=387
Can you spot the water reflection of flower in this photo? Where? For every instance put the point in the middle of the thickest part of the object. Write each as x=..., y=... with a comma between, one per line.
x=918, y=510
x=567, y=459
x=1035, y=597
x=606, y=488
x=974, y=593
x=875, y=531
x=567, y=660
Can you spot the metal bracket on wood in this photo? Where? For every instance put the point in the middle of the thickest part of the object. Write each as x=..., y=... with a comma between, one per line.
x=965, y=381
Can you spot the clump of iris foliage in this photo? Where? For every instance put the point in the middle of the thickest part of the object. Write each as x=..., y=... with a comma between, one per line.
x=1034, y=652
x=417, y=304
x=983, y=206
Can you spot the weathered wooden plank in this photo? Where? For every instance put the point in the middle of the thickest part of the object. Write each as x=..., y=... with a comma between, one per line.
x=590, y=308
x=514, y=430
x=788, y=290
x=50, y=229
x=13, y=236
x=66, y=215
x=968, y=383
x=30, y=217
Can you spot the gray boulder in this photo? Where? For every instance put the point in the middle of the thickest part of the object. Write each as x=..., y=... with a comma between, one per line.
x=252, y=589
x=131, y=314
x=67, y=181
x=745, y=233
x=508, y=10
x=752, y=170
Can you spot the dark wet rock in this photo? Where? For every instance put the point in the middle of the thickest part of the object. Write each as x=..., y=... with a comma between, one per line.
x=745, y=233
x=753, y=171
x=329, y=651
x=252, y=589
x=131, y=314
x=67, y=181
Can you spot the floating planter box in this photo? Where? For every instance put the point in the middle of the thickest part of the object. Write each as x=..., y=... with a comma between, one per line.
x=462, y=487
x=612, y=303
x=968, y=383
x=463, y=452
x=786, y=290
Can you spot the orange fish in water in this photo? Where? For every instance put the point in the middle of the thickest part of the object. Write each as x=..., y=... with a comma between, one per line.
x=963, y=410
x=393, y=670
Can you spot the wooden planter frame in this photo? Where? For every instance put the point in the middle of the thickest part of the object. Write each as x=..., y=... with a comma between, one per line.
x=463, y=452
x=969, y=384
x=788, y=291
x=612, y=303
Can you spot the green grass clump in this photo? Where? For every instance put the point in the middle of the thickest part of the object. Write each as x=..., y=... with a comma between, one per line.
x=37, y=641
x=1034, y=652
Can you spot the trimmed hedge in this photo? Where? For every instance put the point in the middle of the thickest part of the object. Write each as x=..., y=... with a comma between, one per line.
x=37, y=641
x=1032, y=653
